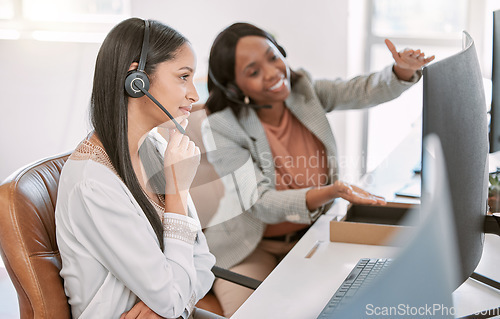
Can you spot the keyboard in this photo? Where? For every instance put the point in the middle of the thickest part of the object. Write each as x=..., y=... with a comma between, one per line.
x=361, y=275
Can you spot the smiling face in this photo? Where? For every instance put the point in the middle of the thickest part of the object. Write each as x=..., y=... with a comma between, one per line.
x=173, y=86
x=261, y=72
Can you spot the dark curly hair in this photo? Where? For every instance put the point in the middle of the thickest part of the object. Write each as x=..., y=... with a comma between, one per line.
x=221, y=66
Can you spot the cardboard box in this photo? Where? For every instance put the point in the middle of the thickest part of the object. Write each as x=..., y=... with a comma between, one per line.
x=369, y=225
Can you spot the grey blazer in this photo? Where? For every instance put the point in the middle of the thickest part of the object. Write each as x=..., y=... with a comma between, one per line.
x=238, y=149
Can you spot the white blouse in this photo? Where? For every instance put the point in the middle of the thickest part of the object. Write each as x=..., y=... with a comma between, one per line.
x=110, y=253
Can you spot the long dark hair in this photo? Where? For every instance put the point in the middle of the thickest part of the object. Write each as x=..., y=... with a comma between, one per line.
x=221, y=65
x=109, y=102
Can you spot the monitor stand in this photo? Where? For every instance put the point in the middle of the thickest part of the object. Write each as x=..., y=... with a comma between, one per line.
x=490, y=313
x=491, y=226
x=486, y=280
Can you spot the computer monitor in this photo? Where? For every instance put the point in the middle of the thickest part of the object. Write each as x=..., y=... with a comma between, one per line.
x=454, y=109
x=494, y=133
x=420, y=280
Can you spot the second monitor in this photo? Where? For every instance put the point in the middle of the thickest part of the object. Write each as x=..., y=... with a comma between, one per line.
x=454, y=108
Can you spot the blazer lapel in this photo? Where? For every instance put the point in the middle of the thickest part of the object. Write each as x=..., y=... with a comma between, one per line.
x=312, y=115
x=261, y=151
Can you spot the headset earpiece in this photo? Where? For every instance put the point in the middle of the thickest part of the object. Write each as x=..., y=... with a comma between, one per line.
x=137, y=81
x=139, y=78
x=233, y=91
x=136, y=78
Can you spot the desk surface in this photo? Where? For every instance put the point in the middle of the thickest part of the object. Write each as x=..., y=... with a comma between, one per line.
x=300, y=287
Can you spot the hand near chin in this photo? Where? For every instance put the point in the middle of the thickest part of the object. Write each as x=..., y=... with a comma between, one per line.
x=356, y=195
x=182, y=158
x=140, y=311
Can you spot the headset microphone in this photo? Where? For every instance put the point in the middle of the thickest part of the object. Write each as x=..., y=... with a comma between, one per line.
x=254, y=106
x=177, y=125
x=231, y=93
x=137, y=81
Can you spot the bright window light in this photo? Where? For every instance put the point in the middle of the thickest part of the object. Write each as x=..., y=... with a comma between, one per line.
x=6, y=9
x=434, y=26
x=75, y=10
x=85, y=21
x=6, y=34
x=85, y=37
x=423, y=18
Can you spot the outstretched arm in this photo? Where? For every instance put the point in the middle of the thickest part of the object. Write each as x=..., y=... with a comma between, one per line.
x=407, y=61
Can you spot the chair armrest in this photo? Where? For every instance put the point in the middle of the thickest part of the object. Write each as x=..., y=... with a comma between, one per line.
x=236, y=278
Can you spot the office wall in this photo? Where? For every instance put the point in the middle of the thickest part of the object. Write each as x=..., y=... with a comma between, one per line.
x=314, y=35
x=45, y=95
x=46, y=85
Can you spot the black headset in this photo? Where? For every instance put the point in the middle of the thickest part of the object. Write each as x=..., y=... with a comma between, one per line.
x=137, y=81
x=138, y=78
x=232, y=92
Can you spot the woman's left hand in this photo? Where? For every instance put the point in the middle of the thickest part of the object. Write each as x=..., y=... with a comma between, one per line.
x=140, y=311
x=407, y=61
x=356, y=195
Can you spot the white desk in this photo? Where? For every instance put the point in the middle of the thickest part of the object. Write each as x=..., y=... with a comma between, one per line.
x=300, y=287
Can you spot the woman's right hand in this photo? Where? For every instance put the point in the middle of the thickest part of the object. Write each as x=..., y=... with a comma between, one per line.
x=140, y=311
x=181, y=161
x=355, y=194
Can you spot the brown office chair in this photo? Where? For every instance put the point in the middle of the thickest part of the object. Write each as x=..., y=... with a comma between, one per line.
x=28, y=238
x=28, y=243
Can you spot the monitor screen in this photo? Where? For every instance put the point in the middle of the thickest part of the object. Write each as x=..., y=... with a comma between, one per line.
x=454, y=109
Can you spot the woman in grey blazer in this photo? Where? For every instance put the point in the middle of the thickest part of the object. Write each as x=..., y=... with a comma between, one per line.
x=264, y=118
